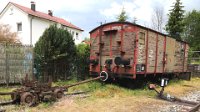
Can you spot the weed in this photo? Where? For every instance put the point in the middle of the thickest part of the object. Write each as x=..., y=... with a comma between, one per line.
x=6, y=97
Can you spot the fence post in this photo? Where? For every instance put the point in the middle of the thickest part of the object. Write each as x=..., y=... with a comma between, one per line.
x=7, y=66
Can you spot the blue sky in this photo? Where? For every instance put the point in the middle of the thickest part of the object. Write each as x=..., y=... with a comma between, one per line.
x=87, y=14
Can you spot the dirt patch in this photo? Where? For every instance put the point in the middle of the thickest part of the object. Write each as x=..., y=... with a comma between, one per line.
x=114, y=99
x=173, y=107
x=116, y=104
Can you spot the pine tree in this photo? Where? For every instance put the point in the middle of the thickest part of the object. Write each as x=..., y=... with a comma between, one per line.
x=55, y=52
x=122, y=17
x=175, y=24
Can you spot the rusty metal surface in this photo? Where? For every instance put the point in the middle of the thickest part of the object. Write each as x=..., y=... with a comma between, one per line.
x=32, y=92
x=185, y=101
x=82, y=82
x=195, y=108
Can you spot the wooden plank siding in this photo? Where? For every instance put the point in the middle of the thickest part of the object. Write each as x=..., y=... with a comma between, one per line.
x=142, y=46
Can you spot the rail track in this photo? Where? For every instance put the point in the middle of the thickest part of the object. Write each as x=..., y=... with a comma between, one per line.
x=33, y=92
x=4, y=104
x=179, y=104
x=185, y=105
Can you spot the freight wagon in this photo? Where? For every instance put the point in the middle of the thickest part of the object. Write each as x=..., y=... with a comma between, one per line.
x=124, y=49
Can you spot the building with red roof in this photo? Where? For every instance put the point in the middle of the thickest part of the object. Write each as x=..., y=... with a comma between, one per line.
x=30, y=23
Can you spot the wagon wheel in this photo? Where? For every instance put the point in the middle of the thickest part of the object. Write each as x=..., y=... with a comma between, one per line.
x=36, y=99
x=15, y=97
x=27, y=99
x=58, y=93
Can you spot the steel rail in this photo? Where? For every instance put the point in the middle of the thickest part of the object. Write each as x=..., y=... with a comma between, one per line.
x=8, y=93
x=85, y=81
x=194, y=105
x=6, y=103
x=195, y=108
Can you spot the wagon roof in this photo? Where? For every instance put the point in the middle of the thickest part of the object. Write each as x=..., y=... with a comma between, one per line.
x=133, y=24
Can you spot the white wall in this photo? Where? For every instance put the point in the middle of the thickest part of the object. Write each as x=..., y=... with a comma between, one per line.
x=12, y=18
x=38, y=25
x=78, y=39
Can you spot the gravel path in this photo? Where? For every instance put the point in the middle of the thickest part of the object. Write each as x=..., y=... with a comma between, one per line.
x=172, y=107
x=67, y=100
x=154, y=105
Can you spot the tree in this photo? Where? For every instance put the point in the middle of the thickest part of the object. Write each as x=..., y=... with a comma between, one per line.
x=82, y=56
x=175, y=23
x=6, y=35
x=158, y=19
x=55, y=52
x=134, y=20
x=122, y=17
x=192, y=29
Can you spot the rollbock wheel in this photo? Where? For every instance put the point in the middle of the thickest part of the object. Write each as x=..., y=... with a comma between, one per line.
x=58, y=93
x=104, y=75
x=27, y=99
x=15, y=97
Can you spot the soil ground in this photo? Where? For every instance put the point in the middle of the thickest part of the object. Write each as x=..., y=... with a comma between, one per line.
x=112, y=98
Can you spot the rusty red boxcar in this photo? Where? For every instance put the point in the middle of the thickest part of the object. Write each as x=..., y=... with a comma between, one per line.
x=124, y=49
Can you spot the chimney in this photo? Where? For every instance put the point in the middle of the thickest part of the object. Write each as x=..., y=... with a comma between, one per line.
x=32, y=5
x=50, y=12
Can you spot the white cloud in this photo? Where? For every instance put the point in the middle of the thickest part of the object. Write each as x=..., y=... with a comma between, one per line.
x=88, y=13
x=141, y=9
x=112, y=11
x=66, y=5
x=55, y=5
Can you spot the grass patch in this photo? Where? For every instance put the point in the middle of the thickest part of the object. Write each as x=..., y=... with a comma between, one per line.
x=112, y=97
x=64, y=83
x=45, y=104
x=99, y=90
x=110, y=90
x=195, y=62
x=180, y=87
x=176, y=87
x=6, y=89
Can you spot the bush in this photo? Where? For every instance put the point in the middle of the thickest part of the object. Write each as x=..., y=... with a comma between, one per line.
x=7, y=36
x=82, y=56
x=54, y=53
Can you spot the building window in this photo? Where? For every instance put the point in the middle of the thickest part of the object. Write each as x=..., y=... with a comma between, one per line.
x=63, y=27
x=76, y=35
x=73, y=33
x=11, y=11
x=19, y=26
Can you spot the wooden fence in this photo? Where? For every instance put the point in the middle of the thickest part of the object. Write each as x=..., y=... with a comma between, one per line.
x=195, y=69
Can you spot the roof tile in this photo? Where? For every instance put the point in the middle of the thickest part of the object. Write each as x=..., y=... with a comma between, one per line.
x=46, y=16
